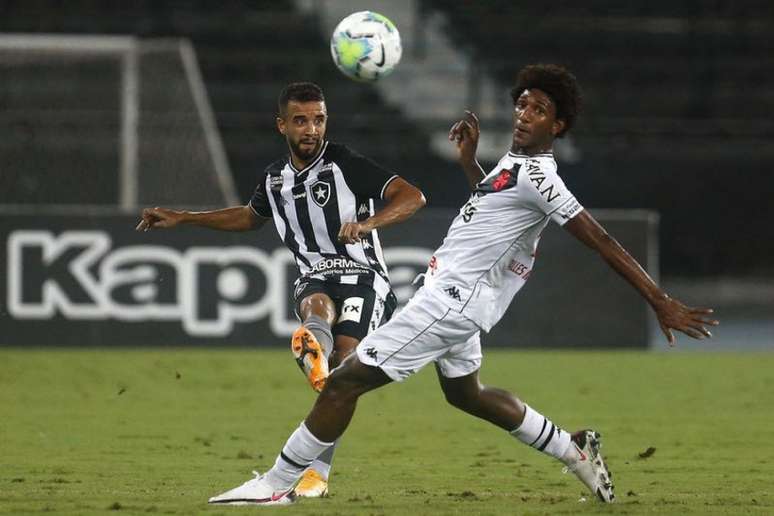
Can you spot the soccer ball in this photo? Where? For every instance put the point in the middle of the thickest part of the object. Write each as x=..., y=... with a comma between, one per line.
x=366, y=46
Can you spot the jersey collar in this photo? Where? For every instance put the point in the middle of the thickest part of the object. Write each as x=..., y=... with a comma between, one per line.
x=538, y=155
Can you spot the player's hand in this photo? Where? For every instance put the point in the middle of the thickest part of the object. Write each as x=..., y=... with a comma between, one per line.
x=674, y=315
x=352, y=232
x=153, y=218
x=464, y=134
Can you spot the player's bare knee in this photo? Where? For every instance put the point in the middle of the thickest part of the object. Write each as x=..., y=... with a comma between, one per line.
x=464, y=399
x=318, y=304
x=342, y=384
x=352, y=379
x=343, y=347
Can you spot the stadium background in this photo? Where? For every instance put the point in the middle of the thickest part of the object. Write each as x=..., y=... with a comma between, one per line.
x=109, y=106
x=677, y=97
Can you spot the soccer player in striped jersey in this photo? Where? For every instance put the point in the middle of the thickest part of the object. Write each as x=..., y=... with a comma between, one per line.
x=484, y=260
x=321, y=199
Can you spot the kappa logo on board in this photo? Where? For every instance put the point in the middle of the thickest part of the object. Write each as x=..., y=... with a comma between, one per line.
x=82, y=275
x=78, y=274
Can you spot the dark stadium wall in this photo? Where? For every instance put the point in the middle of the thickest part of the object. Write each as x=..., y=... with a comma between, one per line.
x=691, y=150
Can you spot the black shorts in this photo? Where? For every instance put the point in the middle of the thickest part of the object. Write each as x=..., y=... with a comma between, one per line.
x=359, y=309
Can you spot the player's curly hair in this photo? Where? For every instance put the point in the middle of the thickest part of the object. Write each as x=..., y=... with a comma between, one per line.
x=299, y=92
x=558, y=83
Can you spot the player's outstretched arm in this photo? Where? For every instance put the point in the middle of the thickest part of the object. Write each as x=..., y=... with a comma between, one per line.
x=403, y=200
x=671, y=313
x=237, y=218
x=464, y=134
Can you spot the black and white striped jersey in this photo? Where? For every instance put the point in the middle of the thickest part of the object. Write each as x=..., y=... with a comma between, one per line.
x=310, y=205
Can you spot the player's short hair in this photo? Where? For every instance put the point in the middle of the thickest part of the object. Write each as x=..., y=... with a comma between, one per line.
x=558, y=83
x=299, y=92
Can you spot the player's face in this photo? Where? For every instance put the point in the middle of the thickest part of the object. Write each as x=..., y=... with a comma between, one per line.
x=534, y=122
x=304, y=128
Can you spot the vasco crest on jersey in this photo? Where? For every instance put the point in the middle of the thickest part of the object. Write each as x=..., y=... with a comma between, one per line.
x=321, y=193
x=503, y=180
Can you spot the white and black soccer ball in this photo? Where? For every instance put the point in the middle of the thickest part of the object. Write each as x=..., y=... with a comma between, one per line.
x=366, y=46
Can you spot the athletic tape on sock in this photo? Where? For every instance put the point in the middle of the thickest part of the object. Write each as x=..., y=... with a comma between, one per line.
x=321, y=331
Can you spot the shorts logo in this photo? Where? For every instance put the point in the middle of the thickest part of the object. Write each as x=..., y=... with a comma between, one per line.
x=321, y=193
x=351, y=310
x=453, y=292
x=299, y=288
x=371, y=352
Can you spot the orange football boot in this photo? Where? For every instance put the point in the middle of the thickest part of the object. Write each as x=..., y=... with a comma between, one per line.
x=310, y=357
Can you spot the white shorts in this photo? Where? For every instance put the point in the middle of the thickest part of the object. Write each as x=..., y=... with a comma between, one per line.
x=425, y=331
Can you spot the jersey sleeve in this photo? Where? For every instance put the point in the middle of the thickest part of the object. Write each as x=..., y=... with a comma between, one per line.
x=259, y=202
x=364, y=176
x=547, y=193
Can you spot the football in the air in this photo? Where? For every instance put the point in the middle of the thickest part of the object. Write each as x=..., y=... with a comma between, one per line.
x=366, y=46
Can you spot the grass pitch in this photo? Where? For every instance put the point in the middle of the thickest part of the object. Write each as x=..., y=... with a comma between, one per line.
x=142, y=432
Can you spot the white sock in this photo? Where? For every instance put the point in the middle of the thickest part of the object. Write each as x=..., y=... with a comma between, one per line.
x=300, y=450
x=539, y=432
x=322, y=464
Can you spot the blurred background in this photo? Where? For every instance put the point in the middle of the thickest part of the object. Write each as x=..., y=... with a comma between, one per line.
x=110, y=106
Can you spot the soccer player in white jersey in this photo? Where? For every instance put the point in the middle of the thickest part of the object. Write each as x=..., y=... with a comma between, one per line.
x=320, y=197
x=484, y=260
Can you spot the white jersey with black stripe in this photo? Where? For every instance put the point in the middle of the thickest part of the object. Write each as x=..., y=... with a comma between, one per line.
x=309, y=206
x=489, y=250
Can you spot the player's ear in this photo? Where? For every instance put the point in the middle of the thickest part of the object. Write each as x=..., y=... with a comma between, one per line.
x=281, y=125
x=557, y=127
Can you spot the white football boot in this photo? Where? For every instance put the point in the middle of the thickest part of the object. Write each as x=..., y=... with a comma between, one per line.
x=590, y=467
x=255, y=491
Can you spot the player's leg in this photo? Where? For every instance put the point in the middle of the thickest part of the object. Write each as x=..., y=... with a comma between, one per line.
x=329, y=418
x=327, y=421
x=392, y=352
x=497, y=406
x=578, y=451
x=361, y=310
x=503, y=409
x=414, y=338
x=343, y=346
x=312, y=343
x=314, y=483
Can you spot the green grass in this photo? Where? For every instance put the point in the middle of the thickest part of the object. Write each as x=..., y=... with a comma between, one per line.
x=144, y=432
